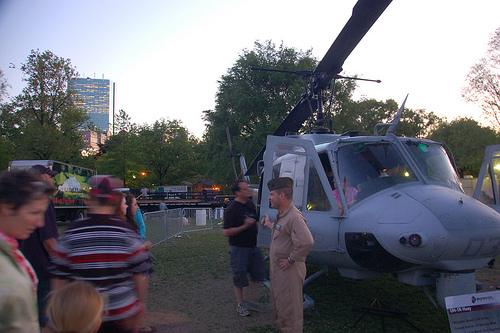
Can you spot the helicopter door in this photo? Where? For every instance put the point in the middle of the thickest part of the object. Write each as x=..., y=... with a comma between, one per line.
x=488, y=183
x=312, y=194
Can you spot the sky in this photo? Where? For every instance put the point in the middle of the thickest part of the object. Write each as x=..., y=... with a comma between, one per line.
x=166, y=56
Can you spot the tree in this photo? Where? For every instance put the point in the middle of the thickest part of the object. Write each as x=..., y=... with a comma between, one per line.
x=3, y=86
x=6, y=153
x=145, y=155
x=168, y=152
x=252, y=104
x=121, y=156
x=418, y=123
x=363, y=115
x=484, y=82
x=467, y=140
x=42, y=122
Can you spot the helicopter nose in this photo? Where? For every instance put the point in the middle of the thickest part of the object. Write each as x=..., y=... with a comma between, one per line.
x=472, y=229
x=430, y=226
x=457, y=211
x=409, y=230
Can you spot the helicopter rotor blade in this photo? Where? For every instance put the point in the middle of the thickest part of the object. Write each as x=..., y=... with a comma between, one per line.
x=292, y=123
x=295, y=118
x=230, y=144
x=364, y=15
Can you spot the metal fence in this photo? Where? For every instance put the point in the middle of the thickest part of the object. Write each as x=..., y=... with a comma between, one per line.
x=161, y=226
x=156, y=223
x=197, y=219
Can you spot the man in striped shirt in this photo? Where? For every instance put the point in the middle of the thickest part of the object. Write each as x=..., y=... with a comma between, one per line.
x=104, y=250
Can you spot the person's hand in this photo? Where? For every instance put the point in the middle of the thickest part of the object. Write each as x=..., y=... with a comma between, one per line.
x=284, y=264
x=266, y=222
x=249, y=221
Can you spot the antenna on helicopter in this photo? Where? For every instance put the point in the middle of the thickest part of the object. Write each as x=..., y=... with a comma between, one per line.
x=393, y=124
x=230, y=144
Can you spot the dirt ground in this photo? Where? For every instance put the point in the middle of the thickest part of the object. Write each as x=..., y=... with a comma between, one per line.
x=490, y=277
x=209, y=308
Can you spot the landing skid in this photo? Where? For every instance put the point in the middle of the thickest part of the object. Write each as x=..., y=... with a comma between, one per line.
x=308, y=301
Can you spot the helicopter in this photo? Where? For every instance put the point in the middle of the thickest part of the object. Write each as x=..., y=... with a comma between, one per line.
x=375, y=204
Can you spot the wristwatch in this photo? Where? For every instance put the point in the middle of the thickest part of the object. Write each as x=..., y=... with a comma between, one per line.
x=290, y=261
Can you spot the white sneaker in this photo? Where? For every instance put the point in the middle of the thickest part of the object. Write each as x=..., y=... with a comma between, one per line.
x=242, y=310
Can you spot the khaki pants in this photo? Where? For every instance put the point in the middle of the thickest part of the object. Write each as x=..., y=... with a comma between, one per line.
x=287, y=297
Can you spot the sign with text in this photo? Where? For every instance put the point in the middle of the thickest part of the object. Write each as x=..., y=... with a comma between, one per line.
x=474, y=313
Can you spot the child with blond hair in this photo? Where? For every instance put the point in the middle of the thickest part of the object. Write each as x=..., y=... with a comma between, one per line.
x=77, y=307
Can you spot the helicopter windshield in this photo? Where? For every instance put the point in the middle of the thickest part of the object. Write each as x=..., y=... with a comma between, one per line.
x=434, y=163
x=367, y=168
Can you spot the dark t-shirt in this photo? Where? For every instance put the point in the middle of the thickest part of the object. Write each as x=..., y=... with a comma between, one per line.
x=234, y=216
x=33, y=248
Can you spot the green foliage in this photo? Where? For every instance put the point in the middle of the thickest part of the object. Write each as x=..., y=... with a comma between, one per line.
x=418, y=123
x=467, y=140
x=42, y=122
x=3, y=86
x=365, y=114
x=6, y=153
x=164, y=153
x=121, y=158
x=361, y=116
x=168, y=152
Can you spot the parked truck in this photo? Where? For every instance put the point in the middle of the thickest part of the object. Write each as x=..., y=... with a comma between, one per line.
x=71, y=182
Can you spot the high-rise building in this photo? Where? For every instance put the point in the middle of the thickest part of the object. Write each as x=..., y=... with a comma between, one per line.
x=92, y=140
x=94, y=96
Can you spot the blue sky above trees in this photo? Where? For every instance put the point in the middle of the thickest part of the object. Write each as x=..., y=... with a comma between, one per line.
x=167, y=56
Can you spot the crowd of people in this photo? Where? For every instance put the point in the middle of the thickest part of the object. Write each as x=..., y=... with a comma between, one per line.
x=94, y=276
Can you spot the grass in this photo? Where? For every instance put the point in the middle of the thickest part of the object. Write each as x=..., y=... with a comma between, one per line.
x=339, y=304
x=194, y=279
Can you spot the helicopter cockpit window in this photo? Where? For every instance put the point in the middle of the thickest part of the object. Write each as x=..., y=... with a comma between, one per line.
x=366, y=169
x=486, y=195
x=434, y=163
x=316, y=196
x=496, y=170
x=293, y=166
